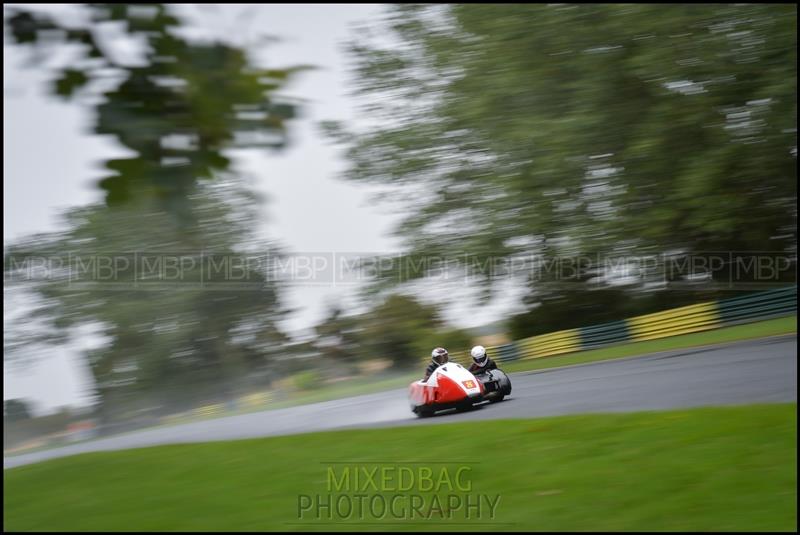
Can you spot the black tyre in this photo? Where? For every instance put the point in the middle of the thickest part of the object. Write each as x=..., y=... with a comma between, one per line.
x=466, y=406
x=497, y=398
x=423, y=413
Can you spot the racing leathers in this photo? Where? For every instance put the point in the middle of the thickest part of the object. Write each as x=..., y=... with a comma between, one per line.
x=476, y=369
x=429, y=370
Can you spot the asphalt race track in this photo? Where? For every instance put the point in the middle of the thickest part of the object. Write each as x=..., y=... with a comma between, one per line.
x=759, y=371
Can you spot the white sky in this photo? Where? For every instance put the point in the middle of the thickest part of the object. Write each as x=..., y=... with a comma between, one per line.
x=50, y=164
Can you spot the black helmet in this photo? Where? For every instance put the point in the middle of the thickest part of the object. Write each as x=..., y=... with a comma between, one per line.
x=439, y=356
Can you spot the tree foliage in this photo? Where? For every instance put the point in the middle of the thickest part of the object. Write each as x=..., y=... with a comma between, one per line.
x=595, y=130
x=15, y=410
x=397, y=328
x=404, y=330
x=177, y=107
x=179, y=328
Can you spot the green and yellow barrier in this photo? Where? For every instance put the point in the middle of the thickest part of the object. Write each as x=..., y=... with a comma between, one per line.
x=676, y=321
x=550, y=344
x=683, y=320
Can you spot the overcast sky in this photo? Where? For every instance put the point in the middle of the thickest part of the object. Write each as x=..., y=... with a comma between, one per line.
x=51, y=164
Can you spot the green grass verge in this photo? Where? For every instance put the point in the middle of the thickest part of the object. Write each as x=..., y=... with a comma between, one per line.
x=705, y=469
x=761, y=329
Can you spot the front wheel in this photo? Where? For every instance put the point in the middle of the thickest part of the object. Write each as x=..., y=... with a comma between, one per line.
x=497, y=398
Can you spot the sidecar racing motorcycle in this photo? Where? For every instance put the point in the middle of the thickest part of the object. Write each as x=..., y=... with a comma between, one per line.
x=451, y=386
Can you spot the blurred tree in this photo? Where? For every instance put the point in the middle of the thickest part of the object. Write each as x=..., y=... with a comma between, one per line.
x=405, y=331
x=593, y=130
x=181, y=325
x=15, y=410
x=339, y=340
x=176, y=106
x=398, y=328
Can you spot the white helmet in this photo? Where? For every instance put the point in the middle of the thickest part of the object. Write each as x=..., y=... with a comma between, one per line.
x=479, y=355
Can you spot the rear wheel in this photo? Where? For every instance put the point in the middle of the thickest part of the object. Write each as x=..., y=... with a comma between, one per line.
x=497, y=398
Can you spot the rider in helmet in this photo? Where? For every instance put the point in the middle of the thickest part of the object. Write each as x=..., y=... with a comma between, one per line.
x=439, y=356
x=481, y=361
